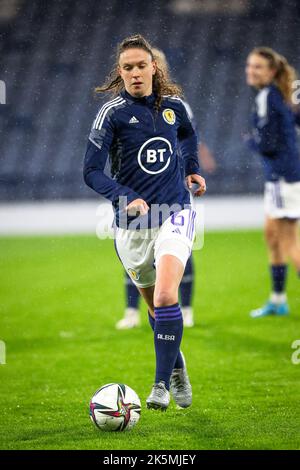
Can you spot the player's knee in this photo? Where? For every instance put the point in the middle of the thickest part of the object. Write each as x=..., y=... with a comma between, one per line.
x=163, y=298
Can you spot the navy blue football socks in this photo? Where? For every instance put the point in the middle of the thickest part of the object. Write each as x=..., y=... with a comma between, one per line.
x=132, y=293
x=186, y=285
x=179, y=360
x=168, y=329
x=279, y=275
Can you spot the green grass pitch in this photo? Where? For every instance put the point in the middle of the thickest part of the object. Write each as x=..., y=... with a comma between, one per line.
x=60, y=299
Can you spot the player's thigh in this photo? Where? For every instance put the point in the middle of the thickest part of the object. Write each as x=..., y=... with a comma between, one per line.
x=169, y=273
x=289, y=233
x=172, y=250
x=272, y=230
x=176, y=236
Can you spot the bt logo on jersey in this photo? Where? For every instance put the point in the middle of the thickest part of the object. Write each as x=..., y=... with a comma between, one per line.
x=154, y=155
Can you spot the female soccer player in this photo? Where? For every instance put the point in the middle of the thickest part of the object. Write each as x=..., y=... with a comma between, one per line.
x=131, y=317
x=154, y=220
x=274, y=138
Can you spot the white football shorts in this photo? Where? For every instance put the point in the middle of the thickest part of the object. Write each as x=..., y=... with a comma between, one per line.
x=282, y=199
x=140, y=250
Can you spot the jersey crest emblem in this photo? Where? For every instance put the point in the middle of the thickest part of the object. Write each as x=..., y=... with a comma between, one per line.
x=133, y=274
x=169, y=116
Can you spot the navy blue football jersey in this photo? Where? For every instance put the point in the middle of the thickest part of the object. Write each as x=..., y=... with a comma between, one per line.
x=274, y=135
x=143, y=145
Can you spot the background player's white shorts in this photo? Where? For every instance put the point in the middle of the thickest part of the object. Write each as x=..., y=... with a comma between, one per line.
x=282, y=199
x=140, y=251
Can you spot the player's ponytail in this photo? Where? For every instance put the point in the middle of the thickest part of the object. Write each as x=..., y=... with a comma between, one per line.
x=284, y=75
x=284, y=78
x=162, y=84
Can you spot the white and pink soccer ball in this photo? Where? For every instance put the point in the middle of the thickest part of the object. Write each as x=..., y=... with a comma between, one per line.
x=115, y=407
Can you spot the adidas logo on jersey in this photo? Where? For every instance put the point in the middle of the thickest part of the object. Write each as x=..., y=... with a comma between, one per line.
x=133, y=120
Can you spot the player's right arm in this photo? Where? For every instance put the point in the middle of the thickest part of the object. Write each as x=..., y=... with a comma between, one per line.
x=97, y=151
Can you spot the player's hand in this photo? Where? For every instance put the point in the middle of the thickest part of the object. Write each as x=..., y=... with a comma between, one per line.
x=137, y=207
x=198, y=180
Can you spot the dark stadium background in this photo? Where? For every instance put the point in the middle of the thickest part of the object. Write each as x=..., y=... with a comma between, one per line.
x=61, y=283
x=53, y=53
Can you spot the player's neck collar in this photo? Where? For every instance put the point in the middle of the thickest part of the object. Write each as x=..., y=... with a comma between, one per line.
x=150, y=99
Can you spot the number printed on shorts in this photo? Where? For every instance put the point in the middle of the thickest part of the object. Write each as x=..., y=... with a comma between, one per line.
x=187, y=221
x=177, y=220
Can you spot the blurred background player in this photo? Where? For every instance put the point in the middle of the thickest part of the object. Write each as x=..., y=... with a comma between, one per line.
x=274, y=138
x=208, y=164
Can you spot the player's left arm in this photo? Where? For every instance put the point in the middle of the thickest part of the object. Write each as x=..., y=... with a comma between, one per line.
x=265, y=138
x=189, y=151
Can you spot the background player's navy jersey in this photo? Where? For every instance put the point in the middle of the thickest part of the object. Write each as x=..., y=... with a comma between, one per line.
x=274, y=136
x=144, y=145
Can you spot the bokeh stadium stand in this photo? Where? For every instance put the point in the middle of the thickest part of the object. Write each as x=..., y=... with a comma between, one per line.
x=54, y=52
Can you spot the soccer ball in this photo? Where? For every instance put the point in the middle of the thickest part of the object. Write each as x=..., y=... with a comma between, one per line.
x=115, y=407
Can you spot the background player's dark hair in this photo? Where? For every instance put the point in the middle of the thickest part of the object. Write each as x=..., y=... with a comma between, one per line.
x=285, y=74
x=162, y=84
